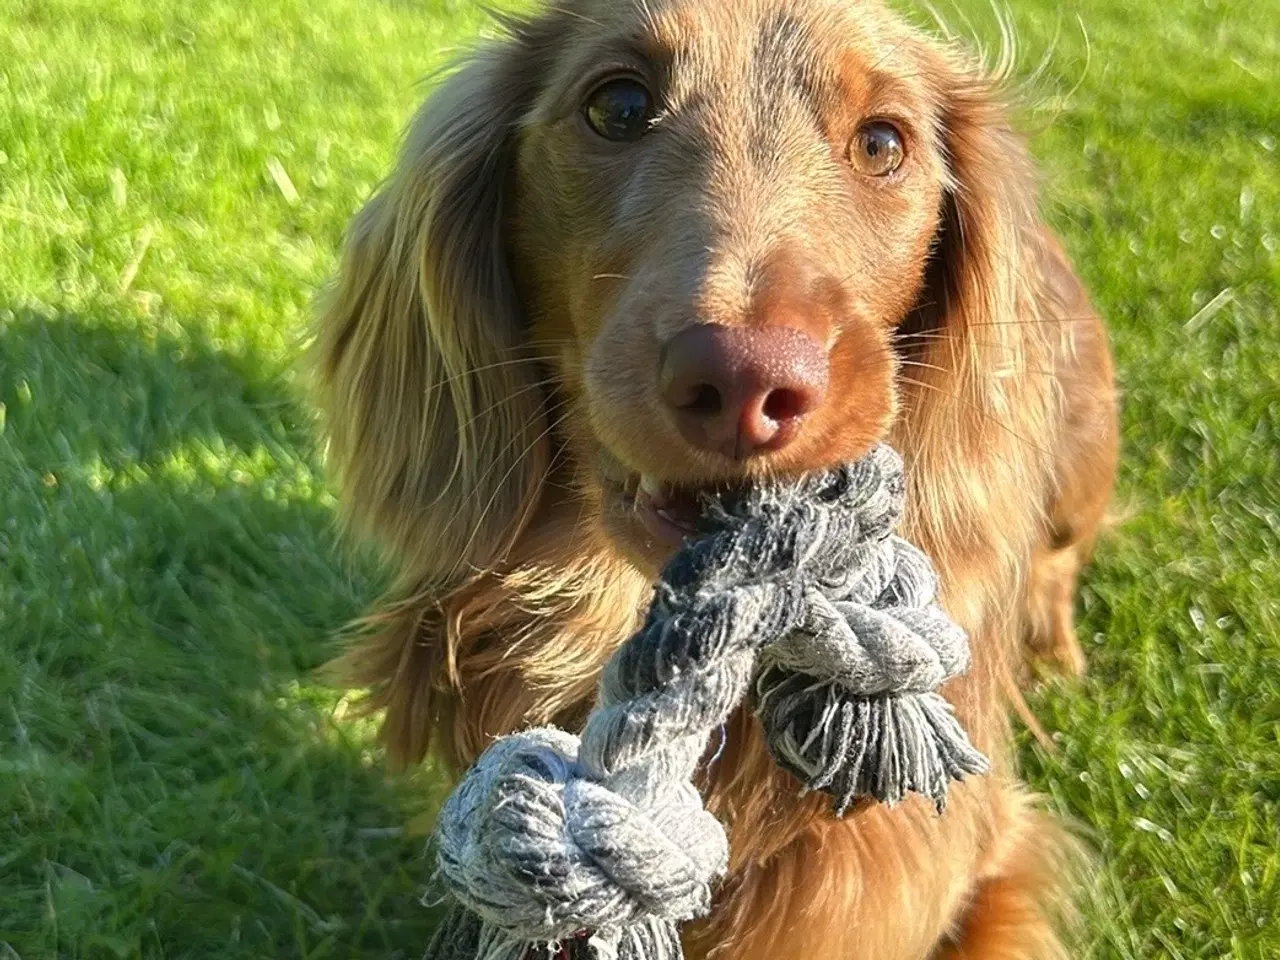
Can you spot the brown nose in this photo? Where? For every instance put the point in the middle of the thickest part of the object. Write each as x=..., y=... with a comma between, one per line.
x=740, y=391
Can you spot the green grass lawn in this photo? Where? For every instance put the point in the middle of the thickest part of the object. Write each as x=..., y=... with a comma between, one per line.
x=173, y=187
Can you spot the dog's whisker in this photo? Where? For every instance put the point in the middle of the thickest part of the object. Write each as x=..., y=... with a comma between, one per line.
x=923, y=366
x=446, y=486
x=1001, y=373
x=892, y=50
x=574, y=14
x=1074, y=318
x=978, y=410
x=910, y=421
x=497, y=461
x=515, y=465
x=922, y=343
x=538, y=385
x=959, y=338
x=483, y=368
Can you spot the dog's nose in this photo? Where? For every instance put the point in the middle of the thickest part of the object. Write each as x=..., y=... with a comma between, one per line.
x=741, y=391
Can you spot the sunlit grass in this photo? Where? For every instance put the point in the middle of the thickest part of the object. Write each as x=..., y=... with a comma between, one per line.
x=174, y=180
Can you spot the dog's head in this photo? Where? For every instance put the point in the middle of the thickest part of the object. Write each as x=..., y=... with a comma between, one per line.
x=642, y=248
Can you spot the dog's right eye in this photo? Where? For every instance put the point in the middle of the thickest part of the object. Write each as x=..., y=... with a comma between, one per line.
x=620, y=109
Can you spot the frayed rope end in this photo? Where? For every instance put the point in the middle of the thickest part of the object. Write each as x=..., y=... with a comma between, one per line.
x=852, y=747
x=462, y=935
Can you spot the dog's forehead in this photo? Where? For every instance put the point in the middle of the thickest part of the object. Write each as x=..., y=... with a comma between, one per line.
x=757, y=52
x=761, y=34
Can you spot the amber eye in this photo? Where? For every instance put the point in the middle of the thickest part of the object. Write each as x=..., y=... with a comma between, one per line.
x=877, y=149
x=619, y=109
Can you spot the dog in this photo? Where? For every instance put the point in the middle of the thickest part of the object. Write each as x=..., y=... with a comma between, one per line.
x=634, y=249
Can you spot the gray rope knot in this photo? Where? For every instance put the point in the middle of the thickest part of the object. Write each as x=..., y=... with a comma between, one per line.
x=544, y=852
x=798, y=592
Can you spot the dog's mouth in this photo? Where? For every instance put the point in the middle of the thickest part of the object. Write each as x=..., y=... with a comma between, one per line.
x=668, y=512
x=655, y=515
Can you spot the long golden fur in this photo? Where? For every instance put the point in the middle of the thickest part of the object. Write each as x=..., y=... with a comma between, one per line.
x=486, y=364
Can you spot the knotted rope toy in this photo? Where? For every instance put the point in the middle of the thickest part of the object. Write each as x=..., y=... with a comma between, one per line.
x=599, y=846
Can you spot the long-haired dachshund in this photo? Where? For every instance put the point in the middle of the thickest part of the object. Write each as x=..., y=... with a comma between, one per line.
x=633, y=249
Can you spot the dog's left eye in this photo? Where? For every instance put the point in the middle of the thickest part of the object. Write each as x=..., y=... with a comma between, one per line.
x=619, y=109
x=877, y=150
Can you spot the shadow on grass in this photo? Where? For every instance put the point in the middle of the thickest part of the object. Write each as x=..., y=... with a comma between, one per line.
x=173, y=780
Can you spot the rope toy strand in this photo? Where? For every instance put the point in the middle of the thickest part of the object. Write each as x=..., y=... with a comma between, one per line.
x=555, y=846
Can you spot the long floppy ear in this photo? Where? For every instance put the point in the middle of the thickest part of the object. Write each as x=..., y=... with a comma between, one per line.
x=977, y=276
x=983, y=426
x=435, y=421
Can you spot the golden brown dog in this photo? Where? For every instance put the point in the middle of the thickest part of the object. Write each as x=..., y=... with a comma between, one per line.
x=635, y=248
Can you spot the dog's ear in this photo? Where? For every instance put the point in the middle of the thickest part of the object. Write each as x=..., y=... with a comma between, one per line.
x=989, y=216
x=435, y=419
x=984, y=417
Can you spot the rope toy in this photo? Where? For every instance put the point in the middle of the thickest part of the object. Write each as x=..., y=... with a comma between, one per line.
x=556, y=846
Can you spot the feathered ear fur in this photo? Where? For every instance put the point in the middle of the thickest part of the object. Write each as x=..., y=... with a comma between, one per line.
x=435, y=419
x=984, y=413
x=435, y=414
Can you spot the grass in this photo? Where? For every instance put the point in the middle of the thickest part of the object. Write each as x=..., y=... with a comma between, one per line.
x=173, y=186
